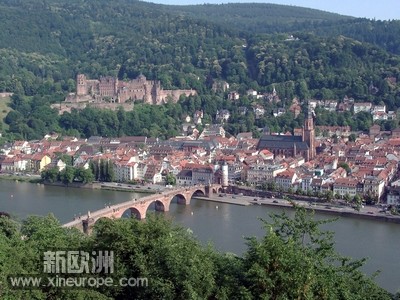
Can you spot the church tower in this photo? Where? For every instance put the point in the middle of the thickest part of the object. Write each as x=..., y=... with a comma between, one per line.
x=309, y=133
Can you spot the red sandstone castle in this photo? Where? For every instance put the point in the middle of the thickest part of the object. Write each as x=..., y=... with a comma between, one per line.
x=110, y=89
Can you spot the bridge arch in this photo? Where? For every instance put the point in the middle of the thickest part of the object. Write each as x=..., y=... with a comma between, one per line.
x=197, y=192
x=180, y=199
x=131, y=212
x=159, y=205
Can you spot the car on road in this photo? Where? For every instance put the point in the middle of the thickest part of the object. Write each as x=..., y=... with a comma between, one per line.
x=220, y=195
x=275, y=201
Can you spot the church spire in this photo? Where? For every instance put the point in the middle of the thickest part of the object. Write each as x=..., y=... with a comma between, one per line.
x=309, y=132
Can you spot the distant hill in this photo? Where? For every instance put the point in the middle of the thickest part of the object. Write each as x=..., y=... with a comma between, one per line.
x=257, y=17
x=273, y=18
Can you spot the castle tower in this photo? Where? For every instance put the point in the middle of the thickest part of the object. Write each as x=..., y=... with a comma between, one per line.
x=81, y=85
x=309, y=133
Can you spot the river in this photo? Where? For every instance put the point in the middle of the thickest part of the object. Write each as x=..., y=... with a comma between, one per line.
x=224, y=225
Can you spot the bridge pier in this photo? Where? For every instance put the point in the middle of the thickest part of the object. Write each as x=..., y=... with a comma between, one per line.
x=85, y=227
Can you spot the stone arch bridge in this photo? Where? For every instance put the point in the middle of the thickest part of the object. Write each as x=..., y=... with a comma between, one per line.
x=139, y=207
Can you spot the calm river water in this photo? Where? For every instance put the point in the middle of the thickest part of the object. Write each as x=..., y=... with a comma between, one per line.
x=224, y=225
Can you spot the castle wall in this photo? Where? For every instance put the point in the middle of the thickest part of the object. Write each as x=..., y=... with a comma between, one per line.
x=164, y=95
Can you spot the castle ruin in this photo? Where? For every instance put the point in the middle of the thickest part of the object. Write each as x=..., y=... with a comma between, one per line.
x=111, y=90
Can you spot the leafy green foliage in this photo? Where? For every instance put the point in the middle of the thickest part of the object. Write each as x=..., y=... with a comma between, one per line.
x=295, y=260
x=102, y=170
x=127, y=38
x=68, y=175
x=170, y=179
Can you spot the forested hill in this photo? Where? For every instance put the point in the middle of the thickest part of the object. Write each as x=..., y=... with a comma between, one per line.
x=273, y=18
x=257, y=17
x=45, y=43
x=52, y=40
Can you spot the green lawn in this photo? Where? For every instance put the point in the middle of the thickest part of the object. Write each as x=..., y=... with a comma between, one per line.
x=4, y=109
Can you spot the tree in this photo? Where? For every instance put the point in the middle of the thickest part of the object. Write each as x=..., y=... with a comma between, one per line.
x=352, y=137
x=94, y=167
x=357, y=202
x=50, y=175
x=170, y=179
x=102, y=170
x=329, y=195
x=347, y=198
x=172, y=276
x=109, y=172
x=345, y=166
x=67, y=175
x=290, y=190
x=67, y=159
x=296, y=260
x=84, y=175
x=271, y=186
x=88, y=176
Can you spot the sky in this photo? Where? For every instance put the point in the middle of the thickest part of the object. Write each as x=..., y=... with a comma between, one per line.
x=372, y=9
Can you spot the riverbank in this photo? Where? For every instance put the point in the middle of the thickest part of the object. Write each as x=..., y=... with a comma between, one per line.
x=234, y=201
x=110, y=186
x=21, y=178
x=371, y=213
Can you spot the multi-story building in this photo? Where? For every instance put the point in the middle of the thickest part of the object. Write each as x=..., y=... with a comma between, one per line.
x=362, y=106
x=261, y=173
x=202, y=175
x=125, y=171
x=374, y=185
x=286, y=179
x=184, y=178
x=343, y=186
x=141, y=170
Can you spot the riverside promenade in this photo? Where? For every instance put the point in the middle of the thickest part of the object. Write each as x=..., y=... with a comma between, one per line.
x=367, y=212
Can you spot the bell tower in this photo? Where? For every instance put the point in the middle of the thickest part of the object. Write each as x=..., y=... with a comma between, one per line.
x=309, y=133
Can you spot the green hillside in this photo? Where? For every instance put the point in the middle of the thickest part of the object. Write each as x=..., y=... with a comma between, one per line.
x=45, y=43
x=272, y=18
x=4, y=110
x=257, y=17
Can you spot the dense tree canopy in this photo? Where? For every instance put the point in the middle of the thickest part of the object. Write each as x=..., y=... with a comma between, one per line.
x=295, y=260
x=49, y=42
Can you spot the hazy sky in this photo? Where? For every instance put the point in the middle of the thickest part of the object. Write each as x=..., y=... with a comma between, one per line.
x=378, y=9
